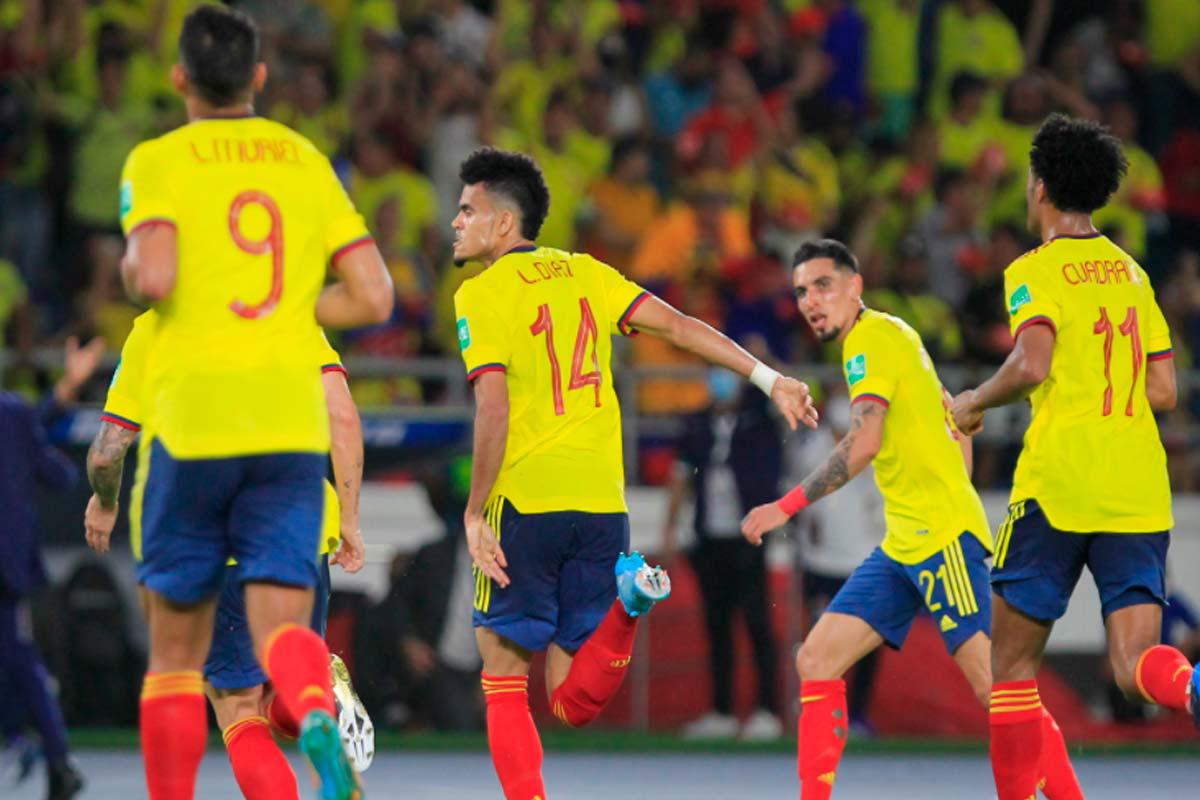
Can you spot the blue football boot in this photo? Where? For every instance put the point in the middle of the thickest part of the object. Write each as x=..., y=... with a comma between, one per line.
x=639, y=585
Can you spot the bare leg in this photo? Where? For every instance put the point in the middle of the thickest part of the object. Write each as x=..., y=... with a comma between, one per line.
x=1132, y=631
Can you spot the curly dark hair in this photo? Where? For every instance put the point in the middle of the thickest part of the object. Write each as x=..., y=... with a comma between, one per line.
x=1080, y=162
x=219, y=50
x=515, y=176
x=826, y=248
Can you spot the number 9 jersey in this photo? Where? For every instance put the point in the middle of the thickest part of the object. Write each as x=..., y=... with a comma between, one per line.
x=545, y=317
x=258, y=213
x=1092, y=456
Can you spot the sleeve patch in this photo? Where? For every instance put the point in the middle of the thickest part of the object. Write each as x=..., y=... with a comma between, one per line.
x=856, y=369
x=1020, y=297
x=126, y=198
x=464, y=334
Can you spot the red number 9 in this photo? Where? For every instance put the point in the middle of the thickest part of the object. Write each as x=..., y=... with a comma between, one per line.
x=272, y=244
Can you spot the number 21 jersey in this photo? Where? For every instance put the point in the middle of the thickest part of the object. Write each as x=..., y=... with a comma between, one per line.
x=258, y=213
x=545, y=318
x=1092, y=456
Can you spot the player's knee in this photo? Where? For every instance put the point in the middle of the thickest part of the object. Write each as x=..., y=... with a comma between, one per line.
x=814, y=665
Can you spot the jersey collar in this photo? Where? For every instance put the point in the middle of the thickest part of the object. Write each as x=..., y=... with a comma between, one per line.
x=522, y=248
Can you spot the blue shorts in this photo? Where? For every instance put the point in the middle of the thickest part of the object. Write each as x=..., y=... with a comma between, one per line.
x=951, y=586
x=561, y=565
x=1037, y=565
x=264, y=511
x=231, y=661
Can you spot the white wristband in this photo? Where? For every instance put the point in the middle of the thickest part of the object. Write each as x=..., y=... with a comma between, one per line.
x=764, y=377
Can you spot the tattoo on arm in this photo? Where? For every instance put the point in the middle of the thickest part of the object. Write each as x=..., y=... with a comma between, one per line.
x=837, y=470
x=106, y=461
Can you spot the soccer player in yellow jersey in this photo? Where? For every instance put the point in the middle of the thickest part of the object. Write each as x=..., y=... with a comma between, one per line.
x=546, y=520
x=933, y=557
x=1093, y=355
x=231, y=221
x=233, y=680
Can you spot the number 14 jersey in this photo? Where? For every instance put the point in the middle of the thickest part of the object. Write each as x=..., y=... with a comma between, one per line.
x=1092, y=456
x=545, y=318
x=258, y=213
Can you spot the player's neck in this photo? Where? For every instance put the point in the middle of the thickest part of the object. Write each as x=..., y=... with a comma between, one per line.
x=862, y=309
x=503, y=249
x=198, y=109
x=1067, y=224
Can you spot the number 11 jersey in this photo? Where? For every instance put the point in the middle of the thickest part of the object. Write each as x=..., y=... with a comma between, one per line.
x=545, y=318
x=1092, y=456
x=258, y=213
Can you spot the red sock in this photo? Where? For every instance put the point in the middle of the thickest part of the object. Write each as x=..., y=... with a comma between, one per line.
x=1162, y=675
x=822, y=734
x=1058, y=781
x=261, y=771
x=174, y=729
x=513, y=738
x=280, y=720
x=597, y=671
x=1016, y=741
x=297, y=662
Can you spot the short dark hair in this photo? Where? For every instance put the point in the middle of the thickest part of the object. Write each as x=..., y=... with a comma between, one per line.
x=826, y=248
x=963, y=84
x=515, y=176
x=219, y=50
x=1080, y=162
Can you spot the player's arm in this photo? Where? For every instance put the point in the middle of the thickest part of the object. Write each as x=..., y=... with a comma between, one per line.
x=1161, y=390
x=151, y=262
x=363, y=293
x=105, y=465
x=346, y=452
x=491, y=437
x=851, y=456
x=1026, y=367
x=659, y=319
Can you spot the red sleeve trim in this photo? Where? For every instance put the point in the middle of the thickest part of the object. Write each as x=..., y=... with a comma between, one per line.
x=150, y=223
x=1161, y=355
x=120, y=422
x=1038, y=320
x=335, y=368
x=482, y=368
x=623, y=322
x=347, y=247
x=872, y=398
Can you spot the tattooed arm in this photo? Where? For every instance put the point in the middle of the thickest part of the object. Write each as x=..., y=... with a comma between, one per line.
x=851, y=456
x=346, y=452
x=105, y=463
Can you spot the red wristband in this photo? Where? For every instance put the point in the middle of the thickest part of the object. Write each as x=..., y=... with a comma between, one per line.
x=793, y=502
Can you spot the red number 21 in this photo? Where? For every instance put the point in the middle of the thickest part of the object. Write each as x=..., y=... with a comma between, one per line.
x=272, y=245
x=587, y=332
x=1127, y=328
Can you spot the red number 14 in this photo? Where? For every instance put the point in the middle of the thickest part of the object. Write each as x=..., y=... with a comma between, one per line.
x=587, y=332
x=1127, y=328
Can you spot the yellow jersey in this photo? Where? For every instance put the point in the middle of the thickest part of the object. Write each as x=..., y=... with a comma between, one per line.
x=1092, y=457
x=259, y=213
x=928, y=499
x=125, y=406
x=545, y=318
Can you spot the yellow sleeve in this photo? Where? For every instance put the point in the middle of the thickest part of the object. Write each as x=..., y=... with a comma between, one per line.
x=1029, y=302
x=327, y=357
x=871, y=374
x=621, y=297
x=123, y=405
x=344, y=228
x=1158, y=335
x=483, y=338
x=145, y=196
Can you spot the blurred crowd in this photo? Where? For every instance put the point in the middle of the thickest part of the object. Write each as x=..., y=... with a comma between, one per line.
x=690, y=143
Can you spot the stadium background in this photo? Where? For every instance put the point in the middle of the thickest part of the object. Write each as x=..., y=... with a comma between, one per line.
x=690, y=143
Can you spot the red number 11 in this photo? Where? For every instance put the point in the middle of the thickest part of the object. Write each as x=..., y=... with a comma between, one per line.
x=1127, y=328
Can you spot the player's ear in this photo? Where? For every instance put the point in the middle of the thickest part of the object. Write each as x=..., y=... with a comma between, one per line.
x=179, y=79
x=260, y=77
